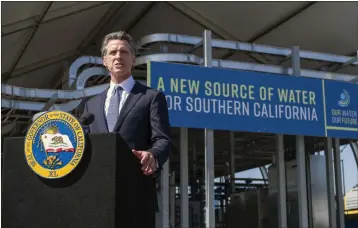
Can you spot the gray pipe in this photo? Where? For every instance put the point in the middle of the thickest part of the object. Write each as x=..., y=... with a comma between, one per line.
x=78, y=63
x=242, y=46
x=184, y=58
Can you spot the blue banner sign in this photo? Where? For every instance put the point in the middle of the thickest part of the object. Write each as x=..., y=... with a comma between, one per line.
x=222, y=99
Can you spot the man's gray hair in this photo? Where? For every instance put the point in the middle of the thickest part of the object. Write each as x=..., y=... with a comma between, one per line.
x=120, y=35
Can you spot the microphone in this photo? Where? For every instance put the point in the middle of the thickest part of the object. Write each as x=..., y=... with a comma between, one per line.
x=87, y=118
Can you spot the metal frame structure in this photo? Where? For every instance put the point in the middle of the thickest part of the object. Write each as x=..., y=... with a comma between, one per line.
x=191, y=43
x=79, y=76
x=194, y=43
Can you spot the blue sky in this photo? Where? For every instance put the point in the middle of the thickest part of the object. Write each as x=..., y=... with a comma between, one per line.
x=350, y=168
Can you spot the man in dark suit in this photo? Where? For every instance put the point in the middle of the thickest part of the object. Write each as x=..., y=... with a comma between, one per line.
x=138, y=113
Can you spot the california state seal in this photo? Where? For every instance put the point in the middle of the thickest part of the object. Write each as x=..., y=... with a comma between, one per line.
x=54, y=144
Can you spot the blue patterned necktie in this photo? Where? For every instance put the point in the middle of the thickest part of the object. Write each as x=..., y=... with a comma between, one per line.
x=113, y=108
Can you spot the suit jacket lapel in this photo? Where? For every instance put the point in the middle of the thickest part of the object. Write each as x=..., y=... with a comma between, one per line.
x=132, y=99
x=102, y=116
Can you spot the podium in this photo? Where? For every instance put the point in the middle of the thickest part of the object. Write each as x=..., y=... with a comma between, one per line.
x=106, y=190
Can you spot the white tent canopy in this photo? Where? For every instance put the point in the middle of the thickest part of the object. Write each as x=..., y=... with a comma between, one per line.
x=41, y=39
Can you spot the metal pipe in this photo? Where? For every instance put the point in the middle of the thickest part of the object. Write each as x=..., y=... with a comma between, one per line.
x=242, y=46
x=184, y=58
x=37, y=106
x=78, y=63
x=49, y=93
x=209, y=149
x=193, y=59
x=88, y=73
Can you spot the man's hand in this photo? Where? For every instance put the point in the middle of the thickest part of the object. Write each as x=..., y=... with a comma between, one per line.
x=147, y=160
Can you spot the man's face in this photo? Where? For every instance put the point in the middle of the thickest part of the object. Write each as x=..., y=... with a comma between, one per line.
x=119, y=58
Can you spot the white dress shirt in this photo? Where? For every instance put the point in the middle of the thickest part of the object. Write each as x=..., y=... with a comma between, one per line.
x=127, y=86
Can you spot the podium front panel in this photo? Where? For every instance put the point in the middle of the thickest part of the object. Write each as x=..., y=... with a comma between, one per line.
x=96, y=194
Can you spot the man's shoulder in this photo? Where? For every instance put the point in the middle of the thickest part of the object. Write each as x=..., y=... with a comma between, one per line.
x=149, y=91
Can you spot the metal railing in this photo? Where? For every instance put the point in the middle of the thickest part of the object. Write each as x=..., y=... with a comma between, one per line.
x=77, y=80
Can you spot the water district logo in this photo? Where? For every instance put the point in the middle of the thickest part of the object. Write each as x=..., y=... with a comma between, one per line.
x=54, y=144
x=344, y=99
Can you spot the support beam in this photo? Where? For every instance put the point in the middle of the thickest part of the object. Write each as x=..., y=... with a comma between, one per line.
x=8, y=30
x=141, y=15
x=281, y=183
x=206, y=23
x=271, y=28
x=280, y=22
x=300, y=156
x=103, y=24
x=18, y=57
x=209, y=149
x=22, y=71
x=330, y=183
x=301, y=182
x=232, y=162
x=69, y=56
x=172, y=199
x=201, y=20
x=194, y=184
x=184, y=178
x=338, y=183
x=335, y=68
x=164, y=190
